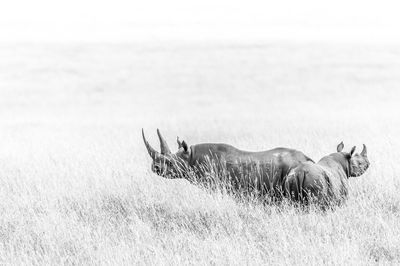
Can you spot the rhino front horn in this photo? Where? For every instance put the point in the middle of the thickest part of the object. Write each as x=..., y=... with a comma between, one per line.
x=364, y=151
x=163, y=144
x=152, y=152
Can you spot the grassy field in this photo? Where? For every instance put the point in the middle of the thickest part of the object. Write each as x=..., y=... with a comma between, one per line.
x=75, y=179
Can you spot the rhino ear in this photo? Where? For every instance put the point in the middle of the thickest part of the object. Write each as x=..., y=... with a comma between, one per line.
x=185, y=146
x=179, y=142
x=340, y=147
x=352, y=151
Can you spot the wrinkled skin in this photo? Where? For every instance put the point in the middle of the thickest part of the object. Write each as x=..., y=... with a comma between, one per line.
x=260, y=172
x=326, y=182
x=359, y=163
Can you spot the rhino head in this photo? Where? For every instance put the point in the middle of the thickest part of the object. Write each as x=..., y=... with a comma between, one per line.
x=358, y=163
x=166, y=163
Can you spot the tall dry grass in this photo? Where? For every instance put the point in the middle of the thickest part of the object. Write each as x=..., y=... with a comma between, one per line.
x=75, y=179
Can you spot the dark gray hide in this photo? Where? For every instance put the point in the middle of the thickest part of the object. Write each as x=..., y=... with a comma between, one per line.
x=326, y=182
x=209, y=163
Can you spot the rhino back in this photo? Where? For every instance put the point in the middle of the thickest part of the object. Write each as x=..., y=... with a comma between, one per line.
x=264, y=168
x=230, y=153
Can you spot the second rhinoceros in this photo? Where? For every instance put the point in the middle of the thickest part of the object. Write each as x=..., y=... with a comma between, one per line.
x=326, y=182
x=262, y=172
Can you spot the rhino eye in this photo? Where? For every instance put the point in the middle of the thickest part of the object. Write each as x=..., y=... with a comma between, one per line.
x=157, y=168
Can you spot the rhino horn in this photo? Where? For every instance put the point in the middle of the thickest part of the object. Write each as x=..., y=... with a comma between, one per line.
x=152, y=152
x=364, y=151
x=163, y=144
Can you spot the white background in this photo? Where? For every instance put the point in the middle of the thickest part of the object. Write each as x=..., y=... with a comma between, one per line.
x=207, y=20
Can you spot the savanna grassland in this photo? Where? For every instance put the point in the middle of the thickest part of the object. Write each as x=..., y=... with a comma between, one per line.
x=75, y=179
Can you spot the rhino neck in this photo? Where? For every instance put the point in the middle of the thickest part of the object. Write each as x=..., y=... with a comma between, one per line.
x=336, y=160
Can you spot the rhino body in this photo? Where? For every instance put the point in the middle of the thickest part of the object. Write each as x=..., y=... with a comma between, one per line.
x=325, y=182
x=317, y=182
x=209, y=163
x=261, y=172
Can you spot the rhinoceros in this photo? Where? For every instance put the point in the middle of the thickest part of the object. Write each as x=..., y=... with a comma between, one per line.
x=262, y=172
x=326, y=182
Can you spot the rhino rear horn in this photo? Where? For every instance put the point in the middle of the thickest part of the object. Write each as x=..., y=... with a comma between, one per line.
x=152, y=152
x=364, y=150
x=163, y=144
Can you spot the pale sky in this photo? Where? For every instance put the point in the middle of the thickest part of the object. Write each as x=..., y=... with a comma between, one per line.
x=205, y=20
